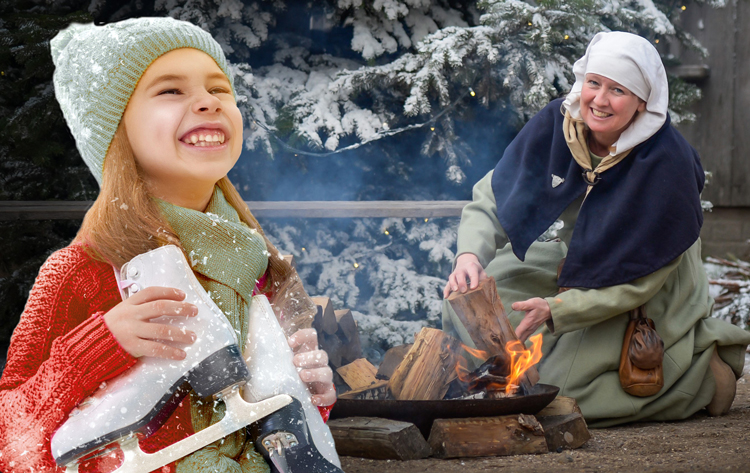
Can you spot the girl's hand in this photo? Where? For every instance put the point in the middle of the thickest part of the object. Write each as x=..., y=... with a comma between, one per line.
x=129, y=322
x=312, y=365
x=537, y=312
x=467, y=266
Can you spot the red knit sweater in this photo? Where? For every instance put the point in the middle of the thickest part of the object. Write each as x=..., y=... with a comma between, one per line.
x=60, y=352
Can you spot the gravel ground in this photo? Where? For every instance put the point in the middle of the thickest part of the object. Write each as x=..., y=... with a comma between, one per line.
x=699, y=444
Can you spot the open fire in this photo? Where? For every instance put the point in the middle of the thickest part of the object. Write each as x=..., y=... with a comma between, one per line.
x=500, y=375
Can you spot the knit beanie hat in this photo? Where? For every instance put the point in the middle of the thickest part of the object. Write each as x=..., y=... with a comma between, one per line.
x=98, y=67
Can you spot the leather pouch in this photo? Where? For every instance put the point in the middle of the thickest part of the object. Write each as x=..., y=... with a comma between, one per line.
x=642, y=356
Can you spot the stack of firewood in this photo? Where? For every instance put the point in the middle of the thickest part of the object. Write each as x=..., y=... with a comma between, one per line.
x=427, y=370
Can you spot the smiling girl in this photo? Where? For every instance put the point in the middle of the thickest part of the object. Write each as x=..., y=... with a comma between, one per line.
x=151, y=105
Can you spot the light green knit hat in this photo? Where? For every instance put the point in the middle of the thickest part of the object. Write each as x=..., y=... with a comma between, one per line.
x=98, y=67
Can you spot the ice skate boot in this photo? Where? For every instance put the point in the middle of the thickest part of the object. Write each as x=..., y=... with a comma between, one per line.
x=294, y=439
x=138, y=402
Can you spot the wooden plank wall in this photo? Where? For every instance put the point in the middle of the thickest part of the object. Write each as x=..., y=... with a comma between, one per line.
x=721, y=133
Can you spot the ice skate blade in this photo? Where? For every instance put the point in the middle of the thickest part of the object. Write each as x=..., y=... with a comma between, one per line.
x=239, y=414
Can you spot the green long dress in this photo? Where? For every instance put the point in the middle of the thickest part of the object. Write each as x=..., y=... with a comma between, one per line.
x=582, y=344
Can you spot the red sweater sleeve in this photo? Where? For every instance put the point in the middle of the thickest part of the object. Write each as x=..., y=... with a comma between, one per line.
x=60, y=352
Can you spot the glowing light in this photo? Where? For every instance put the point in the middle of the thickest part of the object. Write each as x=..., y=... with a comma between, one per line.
x=426, y=219
x=432, y=128
x=471, y=92
x=529, y=23
x=356, y=265
x=683, y=8
x=567, y=37
x=657, y=41
x=386, y=232
x=303, y=249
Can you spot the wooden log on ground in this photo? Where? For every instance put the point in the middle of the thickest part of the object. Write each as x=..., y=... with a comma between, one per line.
x=392, y=358
x=428, y=367
x=325, y=319
x=380, y=439
x=560, y=406
x=379, y=390
x=565, y=432
x=482, y=313
x=485, y=436
x=358, y=374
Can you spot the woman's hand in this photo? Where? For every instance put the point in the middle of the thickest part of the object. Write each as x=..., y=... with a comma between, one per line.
x=312, y=365
x=467, y=267
x=130, y=323
x=537, y=312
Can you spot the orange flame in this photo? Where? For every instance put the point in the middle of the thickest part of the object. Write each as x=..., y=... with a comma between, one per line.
x=522, y=359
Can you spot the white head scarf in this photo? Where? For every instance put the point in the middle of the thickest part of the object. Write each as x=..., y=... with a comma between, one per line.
x=633, y=62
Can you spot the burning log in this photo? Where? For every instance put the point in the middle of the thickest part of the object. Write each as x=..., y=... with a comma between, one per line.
x=482, y=313
x=428, y=367
x=391, y=360
x=380, y=439
x=487, y=436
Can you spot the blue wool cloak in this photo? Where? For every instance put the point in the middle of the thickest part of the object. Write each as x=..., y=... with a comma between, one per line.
x=642, y=214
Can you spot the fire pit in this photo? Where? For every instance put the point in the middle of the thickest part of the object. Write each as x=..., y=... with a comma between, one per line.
x=423, y=413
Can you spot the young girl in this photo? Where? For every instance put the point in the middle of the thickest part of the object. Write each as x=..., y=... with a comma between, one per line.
x=151, y=105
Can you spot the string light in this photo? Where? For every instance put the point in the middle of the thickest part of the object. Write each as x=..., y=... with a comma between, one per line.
x=432, y=128
x=567, y=37
x=356, y=265
x=386, y=232
x=303, y=249
x=683, y=8
x=426, y=219
x=657, y=41
x=471, y=92
x=529, y=23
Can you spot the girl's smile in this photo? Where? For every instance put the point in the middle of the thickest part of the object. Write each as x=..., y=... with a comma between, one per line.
x=184, y=127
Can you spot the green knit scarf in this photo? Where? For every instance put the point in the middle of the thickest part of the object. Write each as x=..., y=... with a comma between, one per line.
x=227, y=257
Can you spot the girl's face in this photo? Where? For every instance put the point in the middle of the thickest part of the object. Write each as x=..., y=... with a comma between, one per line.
x=607, y=107
x=183, y=125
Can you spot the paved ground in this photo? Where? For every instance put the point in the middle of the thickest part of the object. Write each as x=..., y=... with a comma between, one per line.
x=699, y=444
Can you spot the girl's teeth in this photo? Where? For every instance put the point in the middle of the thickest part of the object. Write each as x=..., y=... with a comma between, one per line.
x=194, y=139
x=206, y=140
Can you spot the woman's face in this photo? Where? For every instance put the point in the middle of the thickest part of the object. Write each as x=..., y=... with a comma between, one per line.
x=607, y=107
x=183, y=123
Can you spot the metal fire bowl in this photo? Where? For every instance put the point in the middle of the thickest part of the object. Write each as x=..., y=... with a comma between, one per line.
x=423, y=413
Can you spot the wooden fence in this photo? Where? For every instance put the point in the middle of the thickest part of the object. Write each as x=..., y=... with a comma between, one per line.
x=721, y=133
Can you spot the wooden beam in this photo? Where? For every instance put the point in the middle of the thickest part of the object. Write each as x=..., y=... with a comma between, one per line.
x=380, y=439
x=75, y=210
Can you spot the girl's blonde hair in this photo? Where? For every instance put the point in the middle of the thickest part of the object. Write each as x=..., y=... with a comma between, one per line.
x=125, y=221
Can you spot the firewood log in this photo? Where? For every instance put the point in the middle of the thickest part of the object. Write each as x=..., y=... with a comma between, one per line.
x=358, y=374
x=379, y=390
x=392, y=358
x=486, y=436
x=428, y=367
x=560, y=406
x=325, y=319
x=482, y=313
x=565, y=432
x=348, y=333
x=380, y=439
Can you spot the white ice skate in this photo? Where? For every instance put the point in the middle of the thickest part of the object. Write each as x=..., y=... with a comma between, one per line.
x=294, y=439
x=138, y=402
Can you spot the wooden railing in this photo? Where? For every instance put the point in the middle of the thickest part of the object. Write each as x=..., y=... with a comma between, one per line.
x=75, y=210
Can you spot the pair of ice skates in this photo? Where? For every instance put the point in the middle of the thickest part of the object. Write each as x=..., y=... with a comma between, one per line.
x=263, y=386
